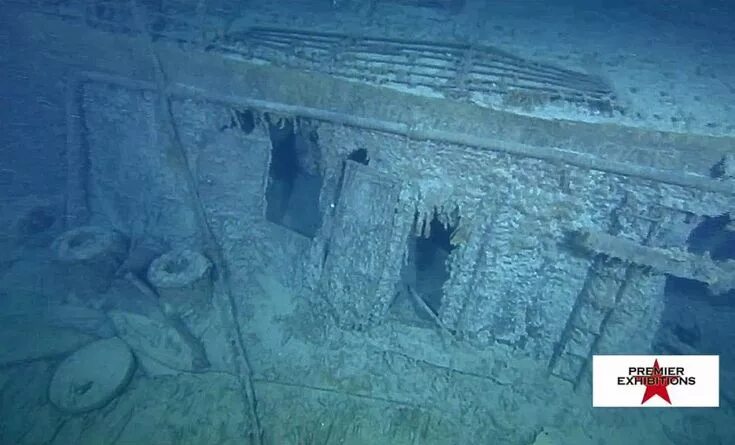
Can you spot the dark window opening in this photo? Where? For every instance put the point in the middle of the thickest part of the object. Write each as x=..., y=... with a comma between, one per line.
x=426, y=271
x=694, y=319
x=360, y=155
x=714, y=236
x=243, y=120
x=294, y=178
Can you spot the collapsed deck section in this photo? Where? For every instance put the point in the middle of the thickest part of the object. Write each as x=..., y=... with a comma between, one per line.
x=459, y=71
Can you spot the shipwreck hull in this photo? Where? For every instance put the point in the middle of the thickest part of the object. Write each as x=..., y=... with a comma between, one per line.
x=197, y=128
x=446, y=155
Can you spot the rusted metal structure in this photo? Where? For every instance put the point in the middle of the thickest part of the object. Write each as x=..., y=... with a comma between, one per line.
x=332, y=158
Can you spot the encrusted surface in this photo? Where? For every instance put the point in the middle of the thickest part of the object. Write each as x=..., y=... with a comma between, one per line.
x=458, y=71
x=516, y=288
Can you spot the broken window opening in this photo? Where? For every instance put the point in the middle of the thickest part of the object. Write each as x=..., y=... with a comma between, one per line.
x=360, y=155
x=294, y=178
x=243, y=120
x=713, y=237
x=427, y=268
x=688, y=303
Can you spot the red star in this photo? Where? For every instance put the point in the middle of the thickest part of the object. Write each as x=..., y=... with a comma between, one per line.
x=658, y=389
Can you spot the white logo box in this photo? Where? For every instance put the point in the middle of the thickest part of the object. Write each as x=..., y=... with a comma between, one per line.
x=693, y=381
